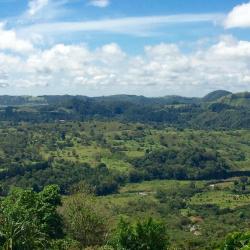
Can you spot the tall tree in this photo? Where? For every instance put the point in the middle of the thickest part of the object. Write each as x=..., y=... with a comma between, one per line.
x=29, y=220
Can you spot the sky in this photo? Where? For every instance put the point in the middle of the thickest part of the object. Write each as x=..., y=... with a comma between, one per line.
x=139, y=47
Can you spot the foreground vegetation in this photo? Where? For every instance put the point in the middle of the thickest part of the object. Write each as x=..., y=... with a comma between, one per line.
x=45, y=220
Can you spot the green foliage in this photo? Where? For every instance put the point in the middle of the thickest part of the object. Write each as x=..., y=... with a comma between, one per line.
x=237, y=241
x=65, y=244
x=48, y=201
x=176, y=197
x=215, y=95
x=197, y=215
x=149, y=235
x=175, y=111
x=29, y=220
x=85, y=222
x=185, y=163
x=65, y=174
x=113, y=159
x=35, y=155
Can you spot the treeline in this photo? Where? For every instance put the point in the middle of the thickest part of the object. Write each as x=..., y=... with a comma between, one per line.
x=65, y=174
x=184, y=164
x=214, y=111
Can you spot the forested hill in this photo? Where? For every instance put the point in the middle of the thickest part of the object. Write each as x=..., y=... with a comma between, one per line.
x=6, y=100
x=217, y=110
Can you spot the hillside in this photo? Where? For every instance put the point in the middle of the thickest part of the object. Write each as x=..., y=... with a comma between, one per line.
x=195, y=181
x=142, y=100
x=183, y=161
x=215, y=95
x=231, y=111
x=238, y=100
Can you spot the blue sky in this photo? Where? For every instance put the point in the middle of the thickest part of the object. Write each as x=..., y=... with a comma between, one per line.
x=103, y=47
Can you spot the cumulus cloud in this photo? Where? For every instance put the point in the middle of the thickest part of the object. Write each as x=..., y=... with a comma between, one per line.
x=10, y=41
x=239, y=17
x=161, y=68
x=99, y=3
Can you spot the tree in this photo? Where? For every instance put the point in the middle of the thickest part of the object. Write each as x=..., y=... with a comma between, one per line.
x=48, y=201
x=147, y=235
x=28, y=219
x=240, y=185
x=244, y=181
x=84, y=220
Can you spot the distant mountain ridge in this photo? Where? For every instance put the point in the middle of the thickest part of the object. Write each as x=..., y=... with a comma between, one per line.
x=6, y=100
x=217, y=110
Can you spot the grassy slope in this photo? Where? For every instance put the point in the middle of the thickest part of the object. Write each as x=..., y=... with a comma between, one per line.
x=220, y=196
x=126, y=141
x=137, y=201
x=123, y=143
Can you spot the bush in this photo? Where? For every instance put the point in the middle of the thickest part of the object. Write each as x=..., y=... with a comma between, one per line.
x=85, y=222
x=237, y=241
x=149, y=235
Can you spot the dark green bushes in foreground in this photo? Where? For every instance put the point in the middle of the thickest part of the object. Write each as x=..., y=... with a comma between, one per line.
x=84, y=221
x=148, y=234
x=31, y=220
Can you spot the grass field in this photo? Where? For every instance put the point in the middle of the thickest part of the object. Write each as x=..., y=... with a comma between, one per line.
x=221, y=195
x=201, y=224
x=116, y=144
x=221, y=198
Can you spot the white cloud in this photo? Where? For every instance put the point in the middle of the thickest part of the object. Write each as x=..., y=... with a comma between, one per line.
x=239, y=17
x=36, y=5
x=39, y=11
x=139, y=26
x=231, y=48
x=159, y=70
x=10, y=41
x=110, y=53
x=99, y=3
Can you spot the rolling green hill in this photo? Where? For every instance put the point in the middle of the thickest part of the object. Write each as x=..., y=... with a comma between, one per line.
x=183, y=161
x=221, y=112
x=215, y=95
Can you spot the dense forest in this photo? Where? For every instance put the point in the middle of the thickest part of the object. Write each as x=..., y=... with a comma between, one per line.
x=125, y=172
x=217, y=110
